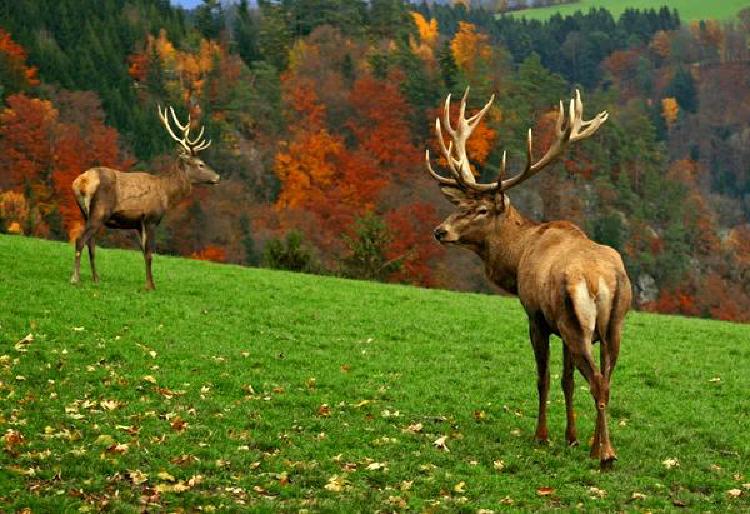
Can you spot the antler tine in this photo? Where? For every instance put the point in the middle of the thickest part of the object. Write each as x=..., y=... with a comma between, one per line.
x=195, y=141
x=574, y=128
x=165, y=122
x=441, y=179
x=186, y=127
x=202, y=146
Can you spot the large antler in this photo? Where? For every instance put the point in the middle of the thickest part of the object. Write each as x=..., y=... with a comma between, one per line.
x=458, y=165
x=191, y=146
x=567, y=129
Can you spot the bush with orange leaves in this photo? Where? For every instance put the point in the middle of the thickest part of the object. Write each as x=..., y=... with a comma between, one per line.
x=210, y=253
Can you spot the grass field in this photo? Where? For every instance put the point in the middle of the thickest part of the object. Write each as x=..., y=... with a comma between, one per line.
x=241, y=389
x=689, y=9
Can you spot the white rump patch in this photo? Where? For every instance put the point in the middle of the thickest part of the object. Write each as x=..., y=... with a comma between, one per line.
x=584, y=305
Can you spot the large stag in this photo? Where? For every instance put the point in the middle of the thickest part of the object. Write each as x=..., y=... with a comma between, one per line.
x=568, y=285
x=115, y=199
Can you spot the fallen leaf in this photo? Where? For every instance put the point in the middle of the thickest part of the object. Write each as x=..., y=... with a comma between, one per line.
x=671, y=463
x=440, y=443
x=163, y=475
x=336, y=484
x=638, y=496
x=183, y=459
x=485, y=511
x=595, y=492
x=414, y=428
x=507, y=501
x=499, y=465
x=324, y=410
x=150, y=379
x=734, y=493
x=13, y=438
x=480, y=415
x=375, y=466
x=178, y=424
x=137, y=476
x=545, y=491
x=678, y=503
x=460, y=487
x=118, y=448
x=715, y=380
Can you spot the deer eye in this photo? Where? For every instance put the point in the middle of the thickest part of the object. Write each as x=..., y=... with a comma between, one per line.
x=482, y=210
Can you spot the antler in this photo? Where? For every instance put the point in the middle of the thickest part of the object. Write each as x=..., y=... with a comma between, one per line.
x=191, y=146
x=458, y=165
x=572, y=128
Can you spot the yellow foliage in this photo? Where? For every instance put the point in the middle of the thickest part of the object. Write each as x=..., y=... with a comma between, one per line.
x=670, y=109
x=470, y=47
x=14, y=210
x=428, y=31
x=428, y=37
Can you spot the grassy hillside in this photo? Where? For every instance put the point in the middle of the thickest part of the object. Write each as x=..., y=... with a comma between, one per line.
x=689, y=9
x=276, y=391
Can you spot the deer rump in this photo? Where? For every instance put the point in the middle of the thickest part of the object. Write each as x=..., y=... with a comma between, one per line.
x=572, y=281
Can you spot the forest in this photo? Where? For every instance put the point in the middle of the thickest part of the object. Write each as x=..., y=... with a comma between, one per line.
x=320, y=112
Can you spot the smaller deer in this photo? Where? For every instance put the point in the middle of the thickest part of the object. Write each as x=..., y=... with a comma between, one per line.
x=116, y=199
x=568, y=285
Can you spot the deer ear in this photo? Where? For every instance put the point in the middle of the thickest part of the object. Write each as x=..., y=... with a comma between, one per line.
x=501, y=201
x=454, y=194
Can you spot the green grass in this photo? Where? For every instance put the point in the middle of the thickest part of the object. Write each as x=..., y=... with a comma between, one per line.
x=248, y=358
x=689, y=10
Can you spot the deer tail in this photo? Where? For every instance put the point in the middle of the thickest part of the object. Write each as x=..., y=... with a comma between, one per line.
x=84, y=188
x=592, y=304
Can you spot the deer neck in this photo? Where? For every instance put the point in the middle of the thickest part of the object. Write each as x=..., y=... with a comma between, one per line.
x=176, y=185
x=504, y=247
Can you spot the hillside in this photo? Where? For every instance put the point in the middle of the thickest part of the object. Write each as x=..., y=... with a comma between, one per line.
x=233, y=386
x=689, y=10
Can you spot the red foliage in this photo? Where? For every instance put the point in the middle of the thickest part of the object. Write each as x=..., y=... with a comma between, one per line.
x=26, y=140
x=411, y=226
x=15, y=56
x=210, y=253
x=381, y=125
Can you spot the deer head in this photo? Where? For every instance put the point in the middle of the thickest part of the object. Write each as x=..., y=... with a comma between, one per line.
x=197, y=171
x=483, y=207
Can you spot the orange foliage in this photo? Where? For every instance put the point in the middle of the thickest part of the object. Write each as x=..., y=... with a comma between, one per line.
x=411, y=227
x=15, y=55
x=661, y=44
x=210, y=253
x=674, y=302
x=318, y=173
x=669, y=110
x=470, y=48
x=381, y=126
x=26, y=140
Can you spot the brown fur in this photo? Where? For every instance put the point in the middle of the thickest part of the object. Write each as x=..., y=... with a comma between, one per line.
x=568, y=285
x=137, y=201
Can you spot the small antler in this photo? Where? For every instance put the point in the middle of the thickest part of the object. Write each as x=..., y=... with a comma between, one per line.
x=572, y=128
x=191, y=146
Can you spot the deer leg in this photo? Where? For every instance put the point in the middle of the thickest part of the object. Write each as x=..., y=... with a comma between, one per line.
x=81, y=241
x=568, y=383
x=148, y=247
x=540, y=342
x=92, y=258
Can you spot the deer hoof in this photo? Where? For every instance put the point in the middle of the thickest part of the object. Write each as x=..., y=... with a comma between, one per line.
x=606, y=464
x=572, y=442
x=74, y=280
x=95, y=278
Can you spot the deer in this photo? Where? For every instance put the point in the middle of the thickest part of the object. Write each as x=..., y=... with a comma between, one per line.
x=120, y=200
x=568, y=285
